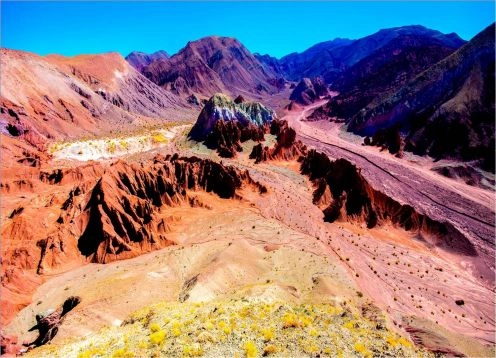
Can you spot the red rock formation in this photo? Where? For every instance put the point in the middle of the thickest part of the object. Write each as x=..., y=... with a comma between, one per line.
x=346, y=195
x=286, y=147
x=109, y=214
x=9, y=345
x=121, y=218
x=308, y=91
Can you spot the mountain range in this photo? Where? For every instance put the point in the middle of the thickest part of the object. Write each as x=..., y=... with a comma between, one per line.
x=110, y=90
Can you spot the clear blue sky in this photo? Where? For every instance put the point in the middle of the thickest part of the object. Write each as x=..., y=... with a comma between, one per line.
x=276, y=28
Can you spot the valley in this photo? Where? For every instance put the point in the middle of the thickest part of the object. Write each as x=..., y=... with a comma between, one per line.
x=342, y=258
x=337, y=202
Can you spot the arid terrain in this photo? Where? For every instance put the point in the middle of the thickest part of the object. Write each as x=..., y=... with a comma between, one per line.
x=181, y=222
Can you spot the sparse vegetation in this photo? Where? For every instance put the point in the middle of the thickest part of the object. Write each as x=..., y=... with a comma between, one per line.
x=243, y=328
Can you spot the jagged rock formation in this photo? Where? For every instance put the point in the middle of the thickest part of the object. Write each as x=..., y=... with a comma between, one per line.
x=446, y=111
x=213, y=64
x=309, y=90
x=140, y=60
x=223, y=124
x=286, y=147
x=120, y=219
x=239, y=99
x=293, y=106
x=100, y=215
x=48, y=325
x=468, y=174
x=344, y=194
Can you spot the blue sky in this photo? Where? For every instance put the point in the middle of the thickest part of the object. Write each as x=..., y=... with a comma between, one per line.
x=276, y=28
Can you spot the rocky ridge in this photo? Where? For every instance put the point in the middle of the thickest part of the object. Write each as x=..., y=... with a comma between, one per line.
x=111, y=214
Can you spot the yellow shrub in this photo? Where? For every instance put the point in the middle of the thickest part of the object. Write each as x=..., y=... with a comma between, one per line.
x=89, y=353
x=176, y=329
x=193, y=350
x=250, y=349
x=404, y=342
x=157, y=337
x=349, y=325
x=360, y=348
x=290, y=320
x=305, y=321
x=154, y=327
x=268, y=334
x=310, y=348
x=328, y=351
x=391, y=340
x=122, y=353
x=158, y=137
x=111, y=147
x=124, y=145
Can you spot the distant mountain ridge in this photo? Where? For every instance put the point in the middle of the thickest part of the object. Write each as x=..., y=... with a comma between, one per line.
x=140, y=60
x=329, y=59
x=447, y=111
x=222, y=64
x=384, y=69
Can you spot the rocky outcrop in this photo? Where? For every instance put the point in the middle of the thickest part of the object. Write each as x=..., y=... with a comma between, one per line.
x=48, y=325
x=239, y=99
x=9, y=345
x=193, y=99
x=468, y=174
x=344, y=194
x=122, y=216
x=223, y=124
x=286, y=147
x=226, y=137
x=308, y=91
x=293, y=106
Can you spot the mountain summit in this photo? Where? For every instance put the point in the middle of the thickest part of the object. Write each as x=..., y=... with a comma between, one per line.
x=212, y=64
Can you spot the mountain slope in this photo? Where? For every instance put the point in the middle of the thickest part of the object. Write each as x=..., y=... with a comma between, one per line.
x=139, y=60
x=55, y=97
x=211, y=65
x=447, y=110
x=384, y=69
x=329, y=59
x=312, y=62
